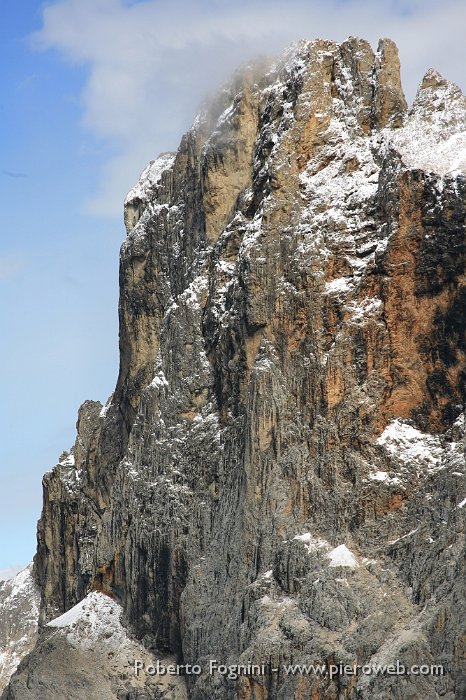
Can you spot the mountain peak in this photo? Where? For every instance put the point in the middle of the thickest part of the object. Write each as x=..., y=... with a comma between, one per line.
x=283, y=452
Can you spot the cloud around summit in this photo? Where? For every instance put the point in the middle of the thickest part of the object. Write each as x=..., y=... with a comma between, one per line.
x=149, y=63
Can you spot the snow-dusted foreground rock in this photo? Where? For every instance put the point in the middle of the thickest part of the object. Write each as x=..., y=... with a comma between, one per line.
x=19, y=615
x=87, y=653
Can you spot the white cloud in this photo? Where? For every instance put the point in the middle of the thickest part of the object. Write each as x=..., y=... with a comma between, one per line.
x=151, y=62
x=10, y=265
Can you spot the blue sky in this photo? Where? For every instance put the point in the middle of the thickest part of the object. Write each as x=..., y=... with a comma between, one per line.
x=91, y=91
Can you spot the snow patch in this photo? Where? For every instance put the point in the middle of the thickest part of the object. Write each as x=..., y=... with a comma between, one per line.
x=433, y=137
x=407, y=445
x=104, y=409
x=384, y=477
x=159, y=380
x=367, y=307
x=22, y=584
x=341, y=284
x=94, y=623
x=68, y=461
x=312, y=543
x=342, y=556
x=150, y=177
x=225, y=115
x=403, y=537
x=194, y=292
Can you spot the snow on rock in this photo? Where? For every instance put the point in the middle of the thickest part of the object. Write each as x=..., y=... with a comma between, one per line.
x=342, y=556
x=150, y=177
x=92, y=632
x=347, y=190
x=138, y=197
x=404, y=537
x=338, y=285
x=407, y=445
x=312, y=543
x=159, y=380
x=336, y=210
x=338, y=556
x=193, y=294
x=94, y=623
x=433, y=137
x=104, y=410
x=19, y=613
x=70, y=475
x=23, y=585
x=68, y=461
x=384, y=477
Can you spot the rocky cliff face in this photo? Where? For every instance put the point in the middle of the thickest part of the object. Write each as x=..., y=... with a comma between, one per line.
x=278, y=477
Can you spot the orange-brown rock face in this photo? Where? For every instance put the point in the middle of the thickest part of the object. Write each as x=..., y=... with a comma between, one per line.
x=278, y=476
